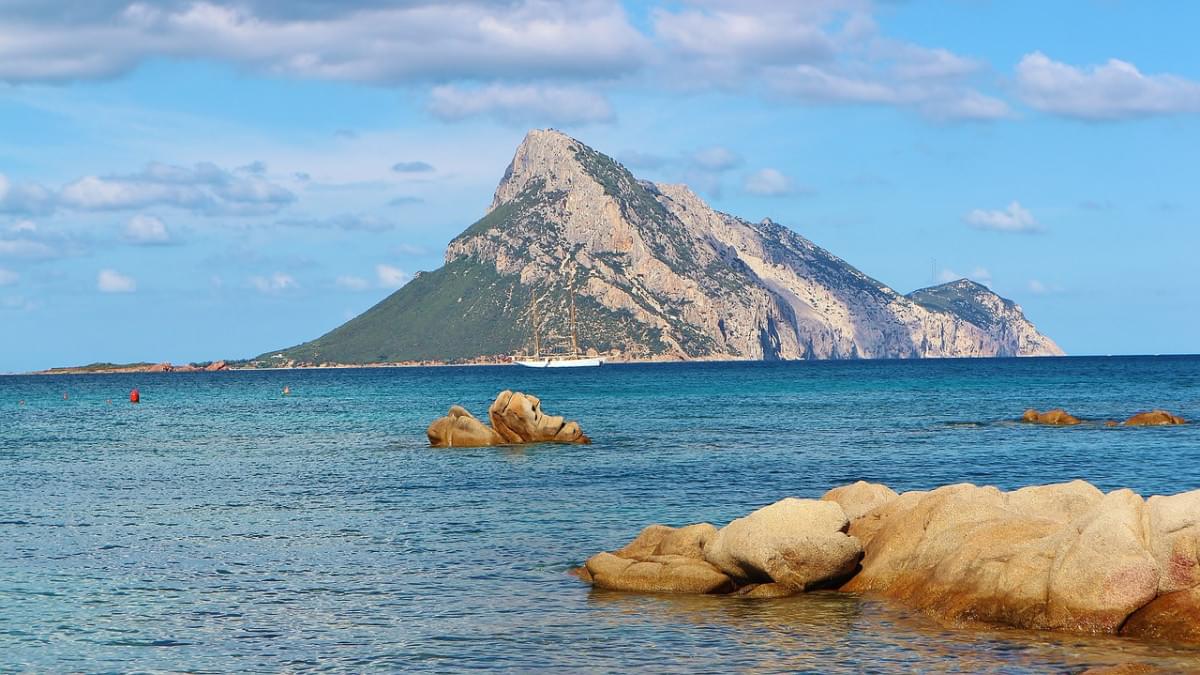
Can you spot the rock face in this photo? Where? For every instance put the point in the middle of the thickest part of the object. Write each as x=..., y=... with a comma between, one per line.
x=657, y=273
x=216, y=365
x=1153, y=418
x=515, y=418
x=800, y=543
x=1054, y=557
x=1058, y=417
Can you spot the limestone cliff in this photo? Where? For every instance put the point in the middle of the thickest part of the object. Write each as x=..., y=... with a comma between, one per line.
x=656, y=272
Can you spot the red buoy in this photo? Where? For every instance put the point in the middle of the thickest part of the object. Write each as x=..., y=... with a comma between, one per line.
x=135, y=397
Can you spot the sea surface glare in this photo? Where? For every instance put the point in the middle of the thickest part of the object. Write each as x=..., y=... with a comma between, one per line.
x=222, y=526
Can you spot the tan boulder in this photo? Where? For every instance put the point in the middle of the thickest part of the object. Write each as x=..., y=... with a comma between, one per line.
x=518, y=418
x=1175, y=539
x=515, y=417
x=766, y=591
x=163, y=367
x=646, y=543
x=1052, y=558
x=1153, y=418
x=860, y=498
x=656, y=574
x=1173, y=617
x=459, y=429
x=1056, y=417
x=688, y=541
x=798, y=542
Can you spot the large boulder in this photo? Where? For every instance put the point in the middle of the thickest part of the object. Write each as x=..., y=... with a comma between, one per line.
x=459, y=429
x=860, y=498
x=1056, y=417
x=1173, y=617
x=1058, y=557
x=1153, y=418
x=801, y=543
x=515, y=417
x=1175, y=539
x=518, y=418
x=660, y=559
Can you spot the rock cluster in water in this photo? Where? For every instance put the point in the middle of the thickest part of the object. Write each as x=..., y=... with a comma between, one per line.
x=1060, y=417
x=515, y=418
x=1056, y=557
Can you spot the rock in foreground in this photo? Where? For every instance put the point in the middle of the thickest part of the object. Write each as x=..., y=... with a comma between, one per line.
x=515, y=418
x=1057, y=417
x=1154, y=418
x=1056, y=557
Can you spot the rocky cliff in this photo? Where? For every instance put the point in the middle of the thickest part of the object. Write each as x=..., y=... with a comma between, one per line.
x=656, y=272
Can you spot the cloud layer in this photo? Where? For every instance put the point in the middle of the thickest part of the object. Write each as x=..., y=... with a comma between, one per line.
x=1013, y=218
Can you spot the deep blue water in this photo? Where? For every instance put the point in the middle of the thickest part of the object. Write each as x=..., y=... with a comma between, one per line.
x=221, y=526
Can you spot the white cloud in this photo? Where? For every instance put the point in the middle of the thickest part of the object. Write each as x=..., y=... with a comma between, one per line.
x=24, y=197
x=23, y=226
x=143, y=229
x=352, y=283
x=715, y=158
x=521, y=104
x=8, y=277
x=26, y=248
x=1015, y=218
x=350, y=222
x=1038, y=288
x=112, y=281
x=276, y=283
x=1112, y=91
x=768, y=183
x=390, y=277
x=979, y=274
x=384, y=43
x=204, y=187
x=412, y=167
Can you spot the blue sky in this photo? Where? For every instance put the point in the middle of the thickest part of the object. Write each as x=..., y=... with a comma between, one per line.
x=196, y=180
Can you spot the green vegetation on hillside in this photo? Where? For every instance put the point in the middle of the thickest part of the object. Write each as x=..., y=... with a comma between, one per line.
x=961, y=298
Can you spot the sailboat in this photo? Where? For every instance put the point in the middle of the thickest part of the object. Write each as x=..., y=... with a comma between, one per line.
x=572, y=360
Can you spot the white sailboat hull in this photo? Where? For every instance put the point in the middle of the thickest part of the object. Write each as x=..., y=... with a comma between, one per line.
x=582, y=362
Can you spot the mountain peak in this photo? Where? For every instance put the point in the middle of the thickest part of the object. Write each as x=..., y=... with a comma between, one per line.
x=544, y=154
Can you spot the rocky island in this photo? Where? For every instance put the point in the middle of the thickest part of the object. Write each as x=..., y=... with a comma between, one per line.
x=657, y=274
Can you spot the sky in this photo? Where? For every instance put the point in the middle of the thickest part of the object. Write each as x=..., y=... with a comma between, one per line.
x=187, y=181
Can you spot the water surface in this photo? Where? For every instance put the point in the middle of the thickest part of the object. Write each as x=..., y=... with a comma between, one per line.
x=222, y=526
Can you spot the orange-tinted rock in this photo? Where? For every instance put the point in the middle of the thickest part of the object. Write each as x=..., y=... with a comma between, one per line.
x=515, y=417
x=217, y=365
x=1173, y=617
x=1154, y=418
x=656, y=574
x=860, y=498
x=159, y=368
x=1057, y=417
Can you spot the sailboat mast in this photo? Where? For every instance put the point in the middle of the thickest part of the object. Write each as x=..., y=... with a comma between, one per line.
x=537, y=343
x=574, y=332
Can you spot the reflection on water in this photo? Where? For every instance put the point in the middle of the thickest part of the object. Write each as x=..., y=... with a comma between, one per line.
x=219, y=526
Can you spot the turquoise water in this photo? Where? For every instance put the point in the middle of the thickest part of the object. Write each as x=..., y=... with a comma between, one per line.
x=221, y=526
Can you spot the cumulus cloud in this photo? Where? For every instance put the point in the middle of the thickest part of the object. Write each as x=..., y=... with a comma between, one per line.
x=715, y=158
x=24, y=198
x=144, y=229
x=521, y=104
x=112, y=281
x=769, y=183
x=1112, y=91
x=8, y=277
x=390, y=277
x=384, y=43
x=26, y=248
x=412, y=167
x=352, y=283
x=204, y=188
x=276, y=283
x=1014, y=218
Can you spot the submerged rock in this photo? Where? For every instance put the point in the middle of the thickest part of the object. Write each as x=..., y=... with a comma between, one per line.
x=1057, y=417
x=1154, y=418
x=1173, y=617
x=515, y=418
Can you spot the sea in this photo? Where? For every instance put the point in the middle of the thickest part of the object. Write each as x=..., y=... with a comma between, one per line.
x=220, y=525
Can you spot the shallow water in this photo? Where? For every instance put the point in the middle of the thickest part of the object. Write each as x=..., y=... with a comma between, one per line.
x=222, y=526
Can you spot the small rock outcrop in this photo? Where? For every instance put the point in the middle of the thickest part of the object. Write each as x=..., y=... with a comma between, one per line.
x=216, y=365
x=1057, y=417
x=515, y=418
x=1153, y=418
x=1062, y=557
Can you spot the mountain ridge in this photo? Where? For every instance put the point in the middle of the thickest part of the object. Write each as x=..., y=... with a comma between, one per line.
x=656, y=273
